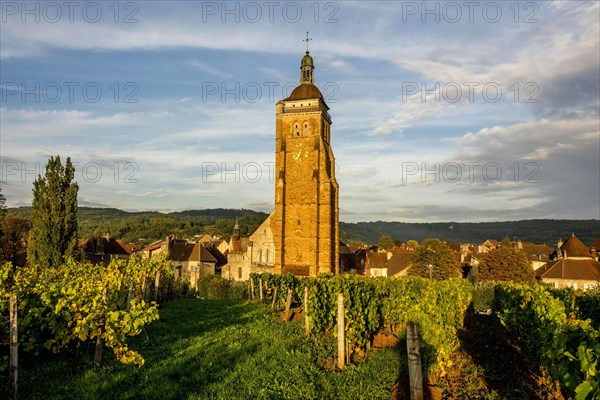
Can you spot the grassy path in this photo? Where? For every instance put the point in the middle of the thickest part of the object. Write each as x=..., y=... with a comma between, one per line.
x=217, y=350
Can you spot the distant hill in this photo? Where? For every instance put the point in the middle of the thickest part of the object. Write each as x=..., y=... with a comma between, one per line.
x=145, y=227
x=535, y=230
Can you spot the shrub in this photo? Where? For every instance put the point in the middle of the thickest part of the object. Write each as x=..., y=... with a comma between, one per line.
x=212, y=287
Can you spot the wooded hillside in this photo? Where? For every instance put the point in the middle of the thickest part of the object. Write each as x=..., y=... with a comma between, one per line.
x=145, y=227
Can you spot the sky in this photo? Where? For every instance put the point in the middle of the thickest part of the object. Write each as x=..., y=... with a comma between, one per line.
x=442, y=111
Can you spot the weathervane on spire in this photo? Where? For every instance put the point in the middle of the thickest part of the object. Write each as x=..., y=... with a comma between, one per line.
x=307, y=40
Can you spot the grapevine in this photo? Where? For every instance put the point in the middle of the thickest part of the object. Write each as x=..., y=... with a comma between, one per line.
x=80, y=302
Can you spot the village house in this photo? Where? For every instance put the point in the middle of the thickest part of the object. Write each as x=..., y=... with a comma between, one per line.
x=538, y=254
x=595, y=248
x=189, y=261
x=373, y=261
x=153, y=249
x=574, y=265
x=488, y=245
x=101, y=250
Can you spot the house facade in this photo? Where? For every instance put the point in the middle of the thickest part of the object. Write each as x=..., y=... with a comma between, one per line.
x=190, y=261
x=255, y=254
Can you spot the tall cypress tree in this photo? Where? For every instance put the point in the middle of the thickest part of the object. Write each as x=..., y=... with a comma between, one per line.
x=2, y=206
x=2, y=215
x=53, y=236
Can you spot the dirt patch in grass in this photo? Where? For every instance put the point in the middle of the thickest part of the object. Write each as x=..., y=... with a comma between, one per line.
x=385, y=341
x=401, y=390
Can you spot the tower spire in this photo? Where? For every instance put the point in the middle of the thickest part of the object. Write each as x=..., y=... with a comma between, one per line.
x=307, y=66
x=236, y=229
x=307, y=40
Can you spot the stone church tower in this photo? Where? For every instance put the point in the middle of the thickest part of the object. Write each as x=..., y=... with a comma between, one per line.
x=305, y=220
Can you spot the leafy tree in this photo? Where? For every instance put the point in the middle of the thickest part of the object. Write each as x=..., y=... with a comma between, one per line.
x=53, y=236
x=505, y=264
x=14, y=241
x=437, y=254
x=413, y=243
x=2, y=206
x=386, y=242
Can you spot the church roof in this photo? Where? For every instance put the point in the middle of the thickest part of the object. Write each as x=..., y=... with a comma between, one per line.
x=305, y=91
x=575, y=248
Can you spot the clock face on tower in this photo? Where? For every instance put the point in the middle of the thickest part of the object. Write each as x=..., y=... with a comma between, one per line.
x=294, y=169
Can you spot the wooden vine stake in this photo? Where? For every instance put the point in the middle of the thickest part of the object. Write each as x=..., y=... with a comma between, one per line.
x=341, y=331
x=306, y=317
x=14, y=347
x=156, y=285
x=274, y=298
x=260, y=289
x=98, y=353
x=129, y=296
x=144, y=288
x=415, y=372
x=288, y=305
x=252, y=288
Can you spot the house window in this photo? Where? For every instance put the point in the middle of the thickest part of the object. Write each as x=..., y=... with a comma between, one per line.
x=266, y=255
x=259, y=255
x=179, y=271
x=240, y=273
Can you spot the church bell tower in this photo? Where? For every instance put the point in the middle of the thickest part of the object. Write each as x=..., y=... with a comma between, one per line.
x=305, y=220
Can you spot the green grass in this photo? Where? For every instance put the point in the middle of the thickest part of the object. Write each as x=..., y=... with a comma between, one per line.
x=202, y=349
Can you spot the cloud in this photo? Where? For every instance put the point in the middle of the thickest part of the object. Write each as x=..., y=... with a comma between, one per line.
x=202, y=66
x=173, y=132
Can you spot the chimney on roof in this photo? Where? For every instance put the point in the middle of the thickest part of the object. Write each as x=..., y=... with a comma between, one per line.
x=594, y=254
x=169, y=242
x=519, y=245
x=389, y=255
x=107, y=235
x=100, y=246
x=565, y=254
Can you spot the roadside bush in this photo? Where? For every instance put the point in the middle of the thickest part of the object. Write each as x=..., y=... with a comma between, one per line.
x=211, y=287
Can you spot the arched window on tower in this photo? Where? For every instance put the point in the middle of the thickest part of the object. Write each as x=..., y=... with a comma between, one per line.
x=305, y=131
x=296, y=132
